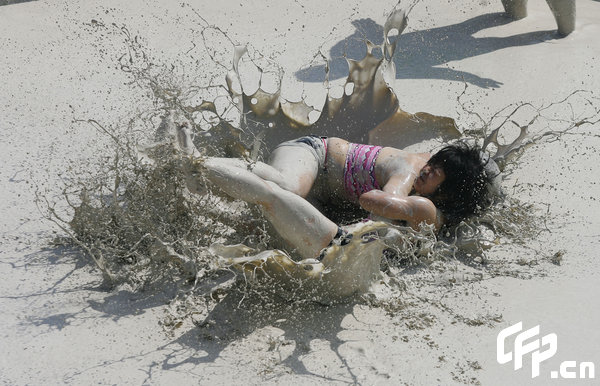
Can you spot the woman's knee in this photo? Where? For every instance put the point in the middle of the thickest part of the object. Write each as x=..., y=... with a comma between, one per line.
x=291, y=186
x=303, y=184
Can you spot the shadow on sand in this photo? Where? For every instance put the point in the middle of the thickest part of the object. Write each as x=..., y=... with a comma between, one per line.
x=74, y=266
x=238, y=315
x=9, y=2
x=425, y=54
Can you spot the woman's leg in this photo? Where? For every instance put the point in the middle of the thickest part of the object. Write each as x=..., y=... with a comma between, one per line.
x=293, y=168
x=306, y=229
x=297, y=167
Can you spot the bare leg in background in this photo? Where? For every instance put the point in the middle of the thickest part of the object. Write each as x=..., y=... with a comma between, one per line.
x=563, y=11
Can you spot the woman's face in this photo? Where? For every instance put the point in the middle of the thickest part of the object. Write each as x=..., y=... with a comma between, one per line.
x=428, y=180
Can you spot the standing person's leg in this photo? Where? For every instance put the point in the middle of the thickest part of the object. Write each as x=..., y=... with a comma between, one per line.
x=564, y=13
x=295, y=219
x=516, y=9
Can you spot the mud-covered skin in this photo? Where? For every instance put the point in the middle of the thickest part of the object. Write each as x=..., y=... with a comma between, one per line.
x=299, y=223
x=281, y=187
x=415, y=210
x=395, y=169
x=400, y=173
x=295, y=169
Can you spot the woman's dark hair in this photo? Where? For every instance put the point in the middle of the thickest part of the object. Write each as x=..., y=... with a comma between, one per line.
x=464, y=191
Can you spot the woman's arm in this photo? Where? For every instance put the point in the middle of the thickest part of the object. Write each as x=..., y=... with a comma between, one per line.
x=413, y=209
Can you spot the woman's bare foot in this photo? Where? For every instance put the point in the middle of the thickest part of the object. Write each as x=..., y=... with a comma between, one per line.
x=185, y=142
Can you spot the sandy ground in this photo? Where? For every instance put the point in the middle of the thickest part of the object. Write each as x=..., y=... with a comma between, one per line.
x=58, y=325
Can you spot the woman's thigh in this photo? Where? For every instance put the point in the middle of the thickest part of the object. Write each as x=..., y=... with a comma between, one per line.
x=296, y=166
x=293, y=168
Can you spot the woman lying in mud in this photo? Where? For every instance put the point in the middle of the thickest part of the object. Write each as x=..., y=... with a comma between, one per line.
x=402, y=187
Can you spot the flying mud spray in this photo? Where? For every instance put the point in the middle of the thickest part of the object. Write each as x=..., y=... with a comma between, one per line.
x=147, y=216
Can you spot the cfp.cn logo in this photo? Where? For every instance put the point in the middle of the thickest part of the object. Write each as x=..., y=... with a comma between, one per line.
x=541, y=349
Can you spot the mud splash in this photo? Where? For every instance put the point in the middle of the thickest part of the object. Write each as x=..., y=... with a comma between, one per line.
x=150, y=216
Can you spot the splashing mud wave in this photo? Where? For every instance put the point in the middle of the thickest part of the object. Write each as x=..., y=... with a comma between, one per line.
x=150, y=216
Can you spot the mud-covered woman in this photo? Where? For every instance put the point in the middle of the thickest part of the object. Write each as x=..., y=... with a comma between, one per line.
x=399, y=186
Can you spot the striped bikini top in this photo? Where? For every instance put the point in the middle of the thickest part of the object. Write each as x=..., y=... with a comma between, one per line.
x=359, y=169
